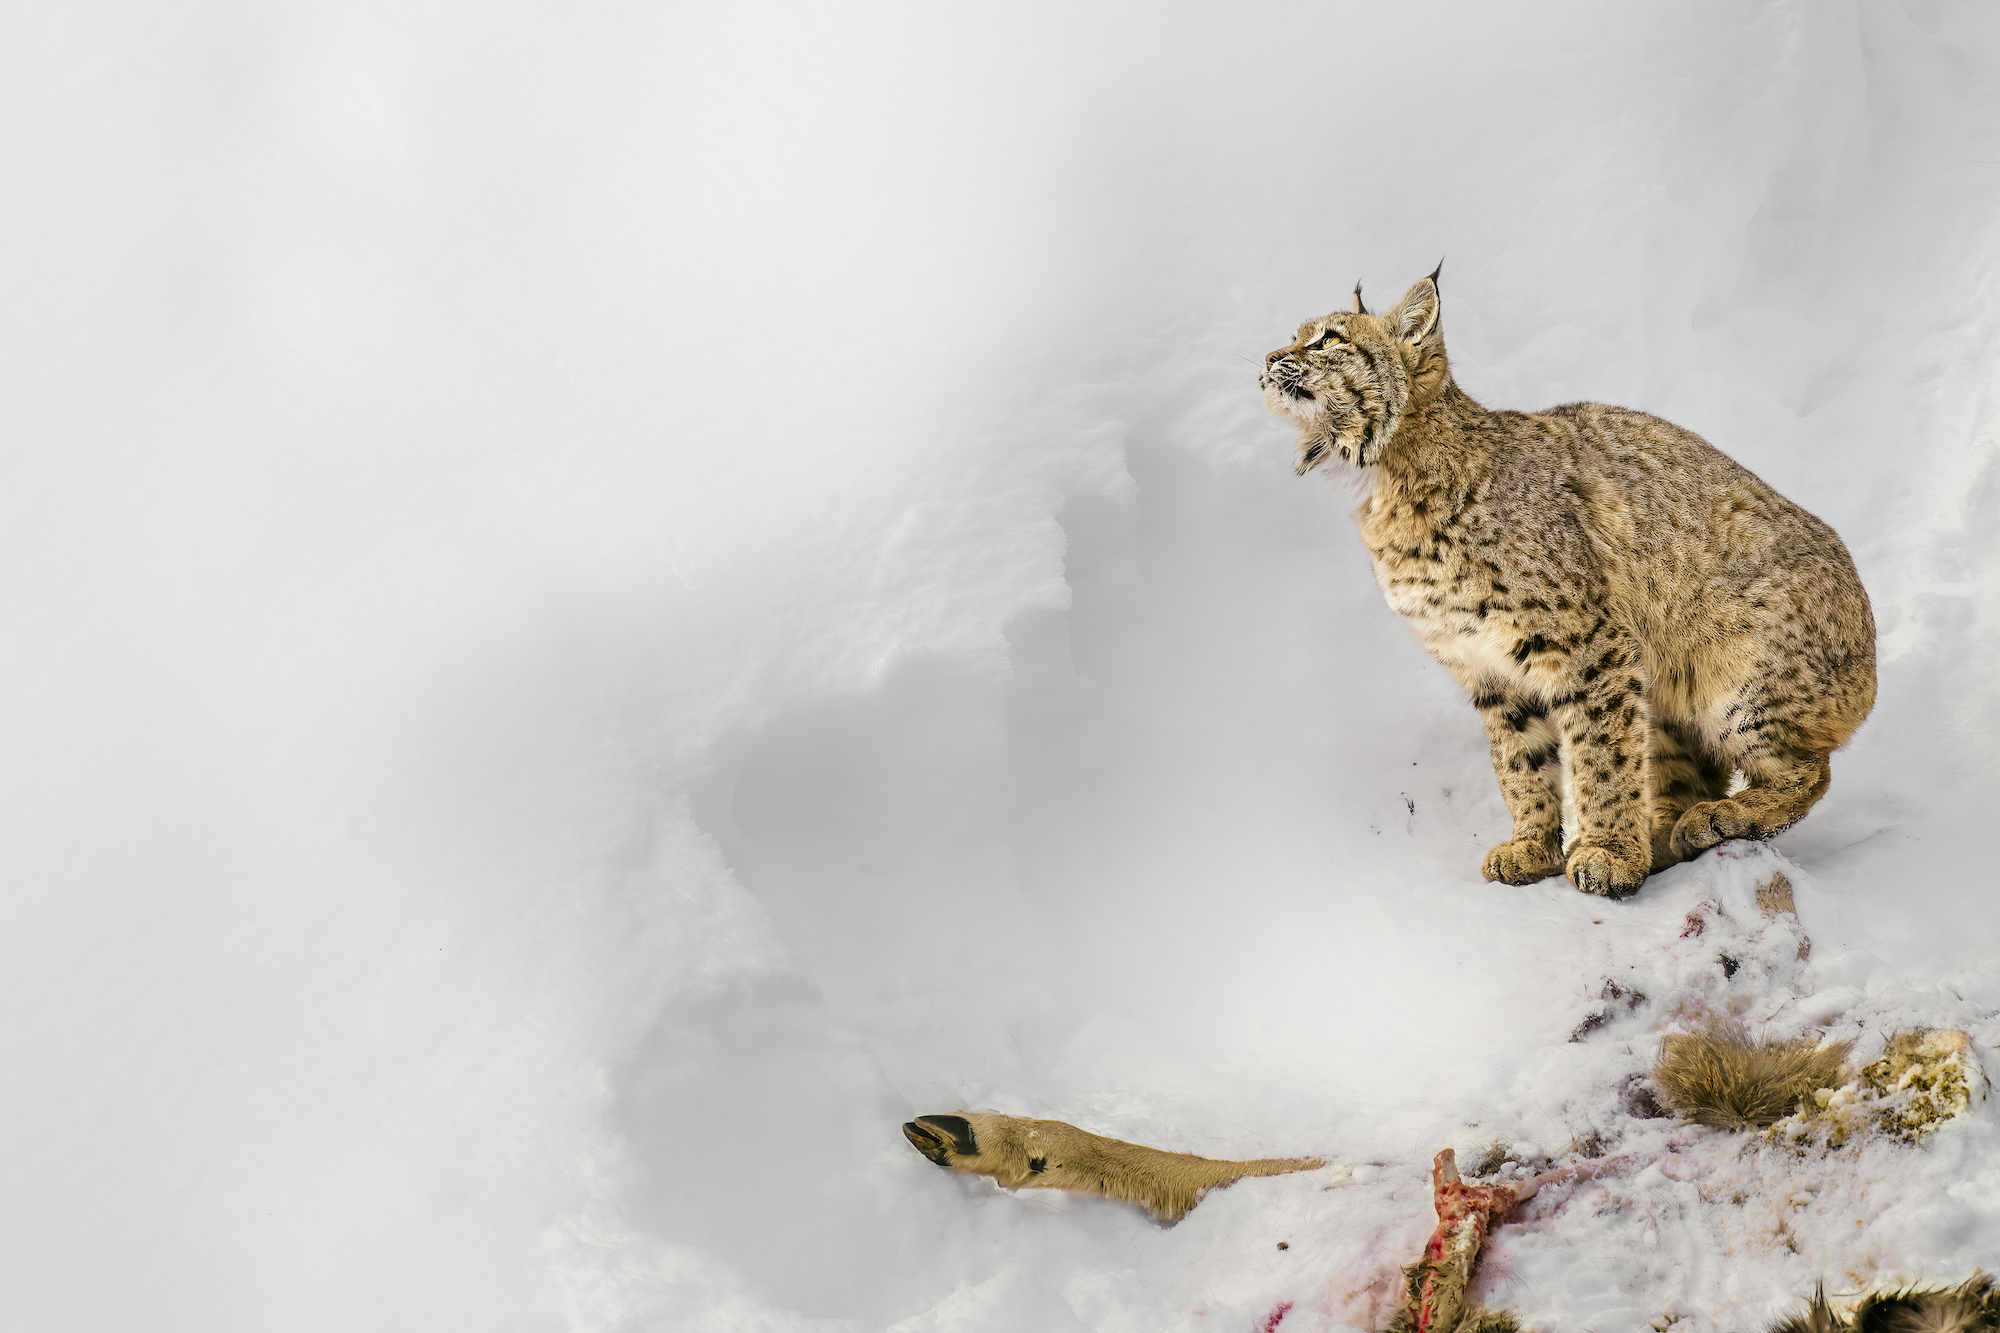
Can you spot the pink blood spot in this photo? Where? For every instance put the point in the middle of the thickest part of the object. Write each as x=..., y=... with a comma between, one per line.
x=1697, y=920
x=1275, y=1318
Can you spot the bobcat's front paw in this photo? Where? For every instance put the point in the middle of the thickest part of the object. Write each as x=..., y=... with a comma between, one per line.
x=1522, y=861
x=1711, y=822
x=1608, y=871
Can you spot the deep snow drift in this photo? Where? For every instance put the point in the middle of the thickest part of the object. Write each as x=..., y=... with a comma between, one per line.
x=606, y=604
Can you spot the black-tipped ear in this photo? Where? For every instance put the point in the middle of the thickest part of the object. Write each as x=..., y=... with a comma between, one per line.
x=1439, y=269
x=1359, y=308
x=1416, y=315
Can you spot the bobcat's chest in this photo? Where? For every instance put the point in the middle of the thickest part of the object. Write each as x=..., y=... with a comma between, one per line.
x=1459, y=608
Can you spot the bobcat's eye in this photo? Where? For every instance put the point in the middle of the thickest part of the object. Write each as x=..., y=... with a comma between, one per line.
x=1328, y=337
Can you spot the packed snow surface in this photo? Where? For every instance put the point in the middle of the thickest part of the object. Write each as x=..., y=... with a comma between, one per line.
x=606, y=602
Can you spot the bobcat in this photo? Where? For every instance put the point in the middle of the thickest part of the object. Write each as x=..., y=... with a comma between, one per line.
x=1613, y=592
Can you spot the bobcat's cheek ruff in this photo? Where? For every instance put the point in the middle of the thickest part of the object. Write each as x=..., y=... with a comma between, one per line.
x=1345, y=444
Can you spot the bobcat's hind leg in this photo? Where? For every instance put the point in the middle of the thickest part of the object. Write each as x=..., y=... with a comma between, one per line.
x=1681, y=774
x=1779, y=794
x=1778, y=717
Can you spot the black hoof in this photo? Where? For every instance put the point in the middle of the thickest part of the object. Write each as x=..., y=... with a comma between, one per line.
x=935, y=1135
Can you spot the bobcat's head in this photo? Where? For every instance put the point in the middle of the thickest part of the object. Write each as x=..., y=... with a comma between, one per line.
x=1348, y=379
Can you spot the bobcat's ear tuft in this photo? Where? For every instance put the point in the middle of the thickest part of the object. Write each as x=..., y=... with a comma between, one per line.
x=1359, y=308
x=1416, y=315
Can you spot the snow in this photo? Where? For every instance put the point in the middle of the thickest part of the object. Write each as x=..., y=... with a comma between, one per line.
x=605, y=604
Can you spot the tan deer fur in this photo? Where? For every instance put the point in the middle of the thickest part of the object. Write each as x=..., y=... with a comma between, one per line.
x=1020, y=1153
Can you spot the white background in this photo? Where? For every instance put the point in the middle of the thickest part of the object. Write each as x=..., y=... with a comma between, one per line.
x=606, y=601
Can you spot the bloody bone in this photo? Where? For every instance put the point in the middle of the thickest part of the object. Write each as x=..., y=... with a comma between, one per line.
x=1438, y=1281
x=1435, y=1300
